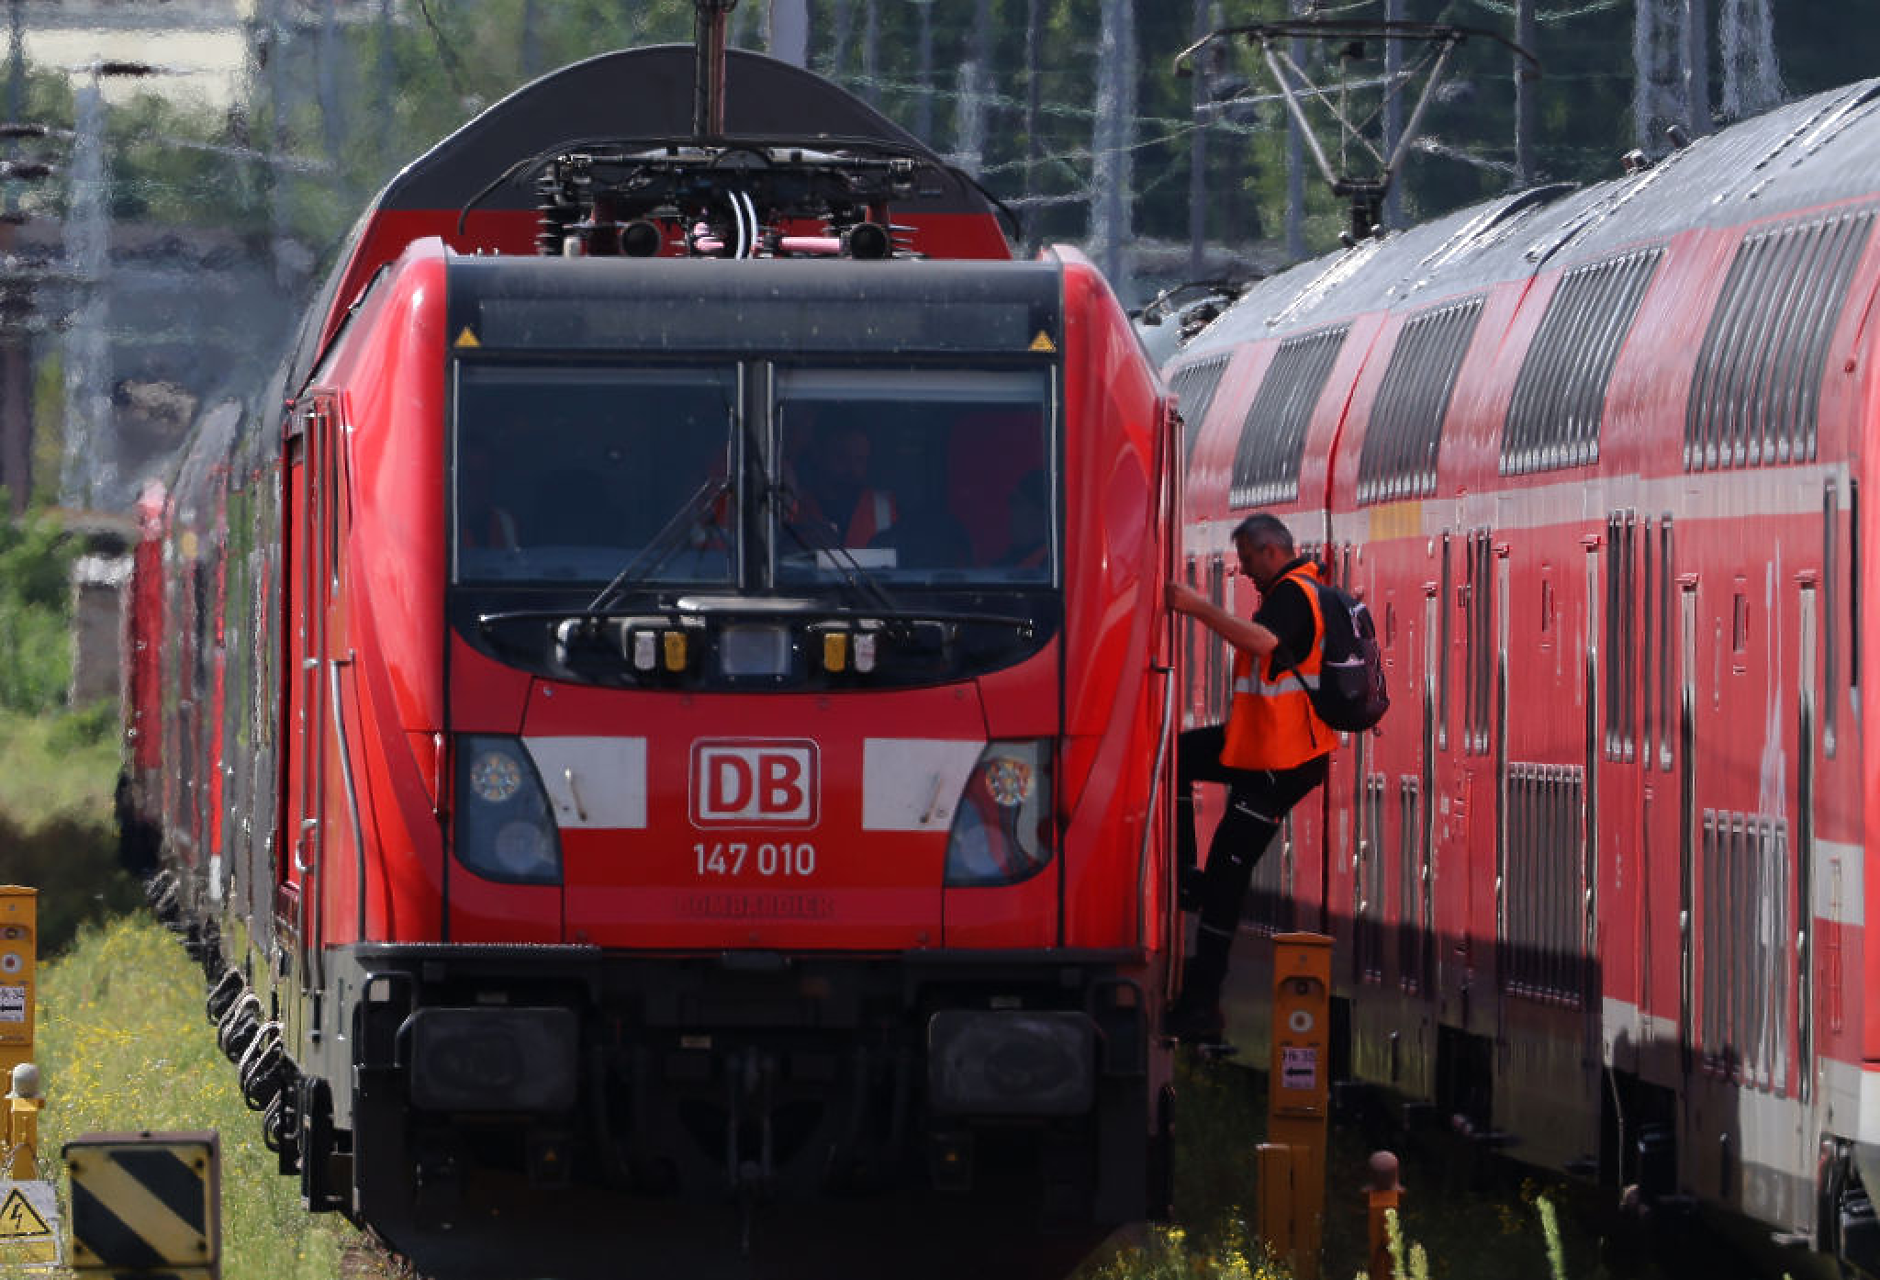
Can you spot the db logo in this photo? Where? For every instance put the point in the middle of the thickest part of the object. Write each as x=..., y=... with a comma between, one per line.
x=754, y=782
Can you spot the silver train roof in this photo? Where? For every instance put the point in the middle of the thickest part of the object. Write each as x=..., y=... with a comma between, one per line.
x=1816, y=151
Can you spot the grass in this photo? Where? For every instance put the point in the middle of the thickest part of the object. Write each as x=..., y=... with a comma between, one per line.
x=56, y=830
x=1460, y=1221
x=123, y=1046
x=59, y=766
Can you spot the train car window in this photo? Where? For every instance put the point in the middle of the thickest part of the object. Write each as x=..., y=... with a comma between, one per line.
x=1648, y=614
x=1631, y=607
x=1401, y=443
x=1480, y=667
x=1273, y=436
x=1368, y=887
x=570, y=473
x=929, y=476
x=1219, y=672
x=1442, y=648
x=1621, y=667
x=1830, y=613
x=1560, y=394
x=1754, y=392
x=1194, y=387
x=1410, y=887
x=1190, y=633
x=1667, y=598
x=1853, y=585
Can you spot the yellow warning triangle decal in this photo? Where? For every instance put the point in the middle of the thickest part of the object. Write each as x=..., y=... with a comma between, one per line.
x=19, y=1218
x=1043, y=343
x=467, y=338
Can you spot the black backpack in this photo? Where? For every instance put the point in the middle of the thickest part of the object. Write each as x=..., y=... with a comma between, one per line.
x=1351, y=696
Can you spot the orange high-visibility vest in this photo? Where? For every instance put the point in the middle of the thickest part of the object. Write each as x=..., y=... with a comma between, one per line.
x=874, y=514
x=1271, y=724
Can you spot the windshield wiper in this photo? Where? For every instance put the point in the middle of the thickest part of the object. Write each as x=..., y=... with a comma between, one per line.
x=865, y=585
x=664, y=545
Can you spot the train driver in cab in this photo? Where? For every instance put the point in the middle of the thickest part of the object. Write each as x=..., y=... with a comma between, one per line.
x=835, y=481
x=1272, y=751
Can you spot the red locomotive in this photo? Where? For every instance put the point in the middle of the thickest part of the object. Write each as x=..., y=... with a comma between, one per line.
x=1595, y=459
x=663, y=748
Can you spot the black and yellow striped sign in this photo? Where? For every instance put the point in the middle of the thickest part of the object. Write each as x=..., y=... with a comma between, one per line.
x=146, y=1202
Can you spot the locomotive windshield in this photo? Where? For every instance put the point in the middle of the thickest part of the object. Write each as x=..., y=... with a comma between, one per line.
x=771, y=475
x=929, y=476
x=655, y=477
x=567, y=474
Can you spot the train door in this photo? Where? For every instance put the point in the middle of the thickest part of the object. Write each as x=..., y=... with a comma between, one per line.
x=1476, y=800
x=1364, y=831
x=1687, y=819
x=1619, y=790
x=1172, y=664
x=304, y=703
x=1447, y=790
x=1808, y=742
x=1423, y=961
x=1656, y=639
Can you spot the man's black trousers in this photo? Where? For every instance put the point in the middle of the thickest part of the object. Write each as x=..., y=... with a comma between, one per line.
x=1258, y=800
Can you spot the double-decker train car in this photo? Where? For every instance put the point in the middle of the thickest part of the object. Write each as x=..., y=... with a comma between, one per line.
x=1595, y=458
x=662, y=749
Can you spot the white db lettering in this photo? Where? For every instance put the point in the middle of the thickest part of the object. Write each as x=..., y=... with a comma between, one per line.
x=745, y=783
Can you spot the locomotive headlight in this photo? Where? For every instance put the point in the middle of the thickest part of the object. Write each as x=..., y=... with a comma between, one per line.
x=504, y=827
x=1009, y=780
x=1003, y=827
x=521, y=847
x=495, y=776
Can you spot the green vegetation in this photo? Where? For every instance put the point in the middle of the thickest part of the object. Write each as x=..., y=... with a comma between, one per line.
x=123, y=1046
x=35, y=627
x=56, y=831
x=1463, y=1219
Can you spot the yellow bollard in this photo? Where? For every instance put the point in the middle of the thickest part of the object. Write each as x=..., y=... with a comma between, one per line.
x=1297, y=1096
x=21, y=1140
x=1384, y=1194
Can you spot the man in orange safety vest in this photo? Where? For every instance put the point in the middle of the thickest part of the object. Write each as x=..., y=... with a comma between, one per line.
x=1272, y=751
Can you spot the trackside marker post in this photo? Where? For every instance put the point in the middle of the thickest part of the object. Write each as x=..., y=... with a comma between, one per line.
x=1382, y=1195
x=19, y=955
x=29, y=1208
x=1292, y=1160
x=144, y=1202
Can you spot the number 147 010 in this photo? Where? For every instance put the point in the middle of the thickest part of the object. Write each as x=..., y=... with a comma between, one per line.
x=740, y=858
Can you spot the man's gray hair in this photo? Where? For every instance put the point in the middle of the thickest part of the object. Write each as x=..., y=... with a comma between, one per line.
x=1264, y=530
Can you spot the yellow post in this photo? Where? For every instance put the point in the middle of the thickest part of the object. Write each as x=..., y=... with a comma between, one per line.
x=1274, y=1163
x=1297, y=1095
x=22, y=1125
x=1383, y=1194
x=19, y=954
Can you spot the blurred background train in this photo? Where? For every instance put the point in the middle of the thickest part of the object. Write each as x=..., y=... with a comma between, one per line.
x=1601, y=462
x=662, y=745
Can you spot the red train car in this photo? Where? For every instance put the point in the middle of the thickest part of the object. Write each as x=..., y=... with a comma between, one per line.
x=1595, y=459
x=601, y=842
